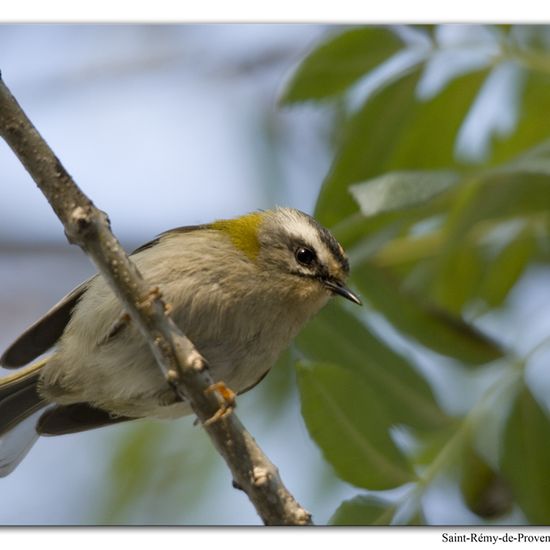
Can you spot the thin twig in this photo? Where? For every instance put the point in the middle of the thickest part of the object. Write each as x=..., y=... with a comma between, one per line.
x=184, y=368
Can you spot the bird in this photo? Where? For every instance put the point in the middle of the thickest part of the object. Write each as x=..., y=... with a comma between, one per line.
x=240, y=289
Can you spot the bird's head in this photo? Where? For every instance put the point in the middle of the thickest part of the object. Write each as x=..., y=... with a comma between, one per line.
x=292, y=249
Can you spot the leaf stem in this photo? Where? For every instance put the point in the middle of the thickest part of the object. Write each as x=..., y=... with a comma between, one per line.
x=448, y=452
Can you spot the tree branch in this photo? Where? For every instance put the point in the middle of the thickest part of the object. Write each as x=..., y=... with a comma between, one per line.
x=184, y=368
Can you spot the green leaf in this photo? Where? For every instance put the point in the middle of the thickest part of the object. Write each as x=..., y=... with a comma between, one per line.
x=530, y=42
x=431, y=326
x=506, y=268
x=336, y=336
x=340, y=61
x=492, y=197
x=345, y=419
x=532, y=128
x=535, y=160
x=396, y=131
x=430, y=138
x=398, y=190
x=426, y=29
x=371, y=510
x=458, y=279
x=498, y=196
x=364, y=510
x=526, y=457
x=480, y=204
x=368, y=140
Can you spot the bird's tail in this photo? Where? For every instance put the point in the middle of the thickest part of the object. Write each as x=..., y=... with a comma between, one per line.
x=19, y=405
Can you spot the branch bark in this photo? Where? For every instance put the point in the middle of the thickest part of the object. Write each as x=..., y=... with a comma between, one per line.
x=184, y=368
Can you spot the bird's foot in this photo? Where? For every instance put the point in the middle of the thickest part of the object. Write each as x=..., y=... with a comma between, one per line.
x=227, y=398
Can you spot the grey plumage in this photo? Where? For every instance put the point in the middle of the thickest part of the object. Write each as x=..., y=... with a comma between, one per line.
x=239, y=296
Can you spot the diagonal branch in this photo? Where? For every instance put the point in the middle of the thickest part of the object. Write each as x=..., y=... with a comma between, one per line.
x=184, y=368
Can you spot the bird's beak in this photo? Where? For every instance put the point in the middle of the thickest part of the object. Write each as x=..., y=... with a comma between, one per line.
x=342, y=290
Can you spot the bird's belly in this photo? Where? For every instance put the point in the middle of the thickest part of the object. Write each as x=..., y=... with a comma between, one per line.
x=239, y=341
x=123, y=378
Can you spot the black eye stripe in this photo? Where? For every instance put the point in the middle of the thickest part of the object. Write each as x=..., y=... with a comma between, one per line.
x=332, y=244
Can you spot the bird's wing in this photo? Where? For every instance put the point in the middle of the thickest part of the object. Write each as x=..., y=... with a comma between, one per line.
x=43, y=334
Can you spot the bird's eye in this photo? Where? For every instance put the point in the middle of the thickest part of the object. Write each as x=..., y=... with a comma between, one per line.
x=304, y=256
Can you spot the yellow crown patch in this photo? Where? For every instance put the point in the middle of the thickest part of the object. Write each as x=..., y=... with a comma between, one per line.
x=243, y=232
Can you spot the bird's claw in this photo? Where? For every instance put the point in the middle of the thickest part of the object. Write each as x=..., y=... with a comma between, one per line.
x=227, y=398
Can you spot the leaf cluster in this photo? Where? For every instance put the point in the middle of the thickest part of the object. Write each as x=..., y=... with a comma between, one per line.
x=439, y=190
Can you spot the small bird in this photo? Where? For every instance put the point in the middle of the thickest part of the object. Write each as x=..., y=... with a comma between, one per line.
x=240, y=289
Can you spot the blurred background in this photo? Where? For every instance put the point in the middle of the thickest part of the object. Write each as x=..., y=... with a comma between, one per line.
x=169, y=125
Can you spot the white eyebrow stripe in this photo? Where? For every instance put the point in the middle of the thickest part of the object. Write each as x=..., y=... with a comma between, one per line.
x=301, y=229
